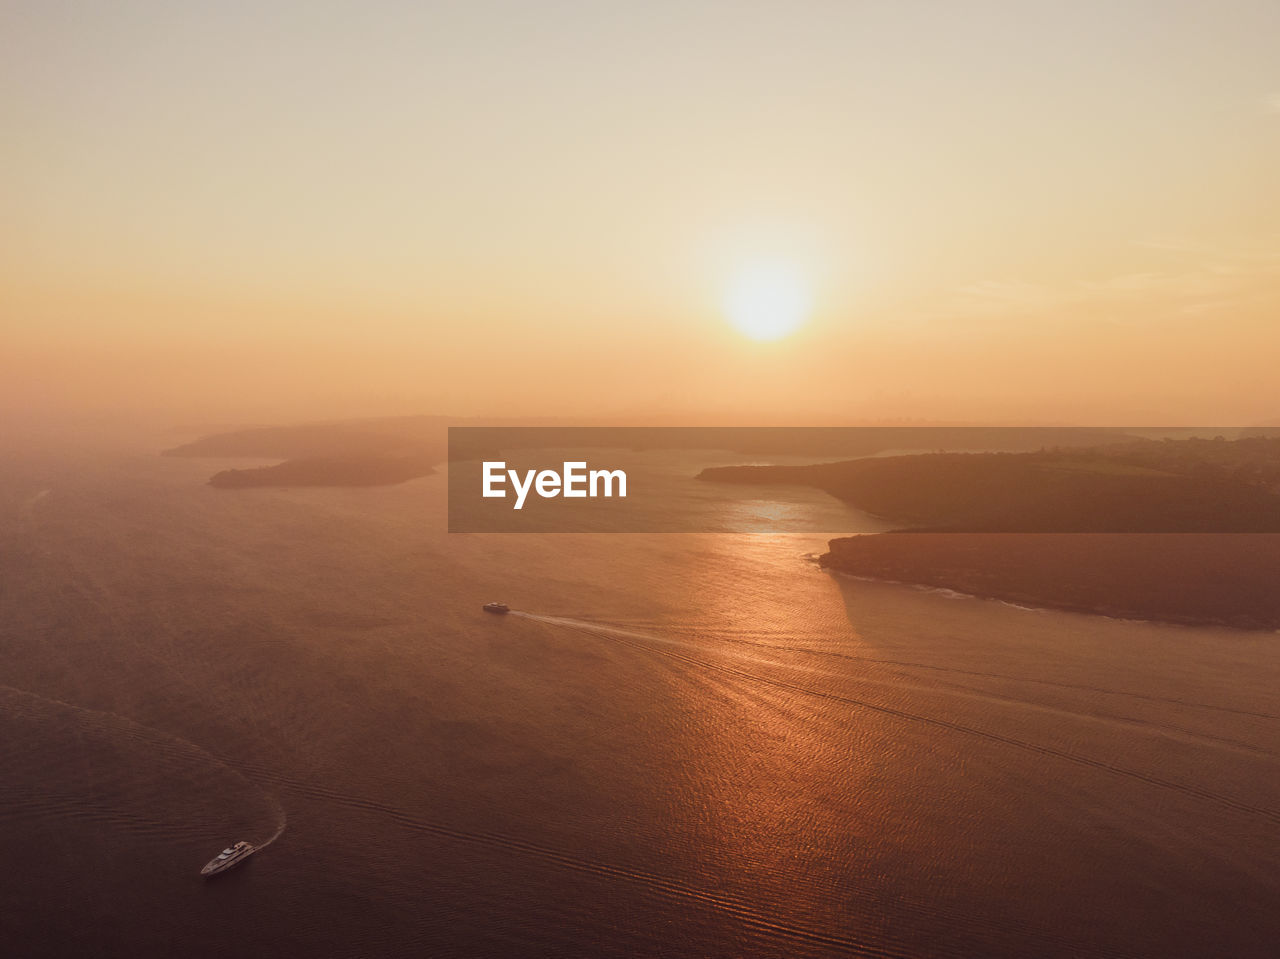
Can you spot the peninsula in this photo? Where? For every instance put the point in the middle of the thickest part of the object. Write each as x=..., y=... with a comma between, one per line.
x=1143, y=486
x=355, y=453
x=1184, y=531
x=1224, y=579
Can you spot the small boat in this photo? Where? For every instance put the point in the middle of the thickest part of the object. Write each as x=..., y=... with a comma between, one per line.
x=231, y=856
x=498, y=608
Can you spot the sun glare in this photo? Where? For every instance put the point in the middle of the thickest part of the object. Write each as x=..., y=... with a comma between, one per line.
x=767, y=301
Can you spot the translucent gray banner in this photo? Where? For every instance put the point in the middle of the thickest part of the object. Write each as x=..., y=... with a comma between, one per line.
x=863, y=479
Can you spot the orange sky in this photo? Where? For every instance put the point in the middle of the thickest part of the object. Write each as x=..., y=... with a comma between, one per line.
x=1004, y=210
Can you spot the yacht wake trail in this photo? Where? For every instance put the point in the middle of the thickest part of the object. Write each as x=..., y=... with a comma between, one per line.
x=663, y=646
x=23, y=703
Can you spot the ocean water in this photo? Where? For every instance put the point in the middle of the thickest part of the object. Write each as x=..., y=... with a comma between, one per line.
x=679, y=745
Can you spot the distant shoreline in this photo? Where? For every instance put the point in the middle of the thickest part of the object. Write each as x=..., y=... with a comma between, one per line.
x=355, y=454
x=351, y=471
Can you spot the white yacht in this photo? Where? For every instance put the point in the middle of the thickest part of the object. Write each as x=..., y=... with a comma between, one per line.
x=231, y=856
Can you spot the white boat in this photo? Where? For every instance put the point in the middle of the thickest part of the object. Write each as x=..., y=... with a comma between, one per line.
x=231, y=856
x=497, y=608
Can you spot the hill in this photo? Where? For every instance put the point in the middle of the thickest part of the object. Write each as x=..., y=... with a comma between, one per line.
x=1191, y=485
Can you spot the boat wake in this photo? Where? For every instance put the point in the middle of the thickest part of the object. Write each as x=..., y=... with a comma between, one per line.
x=765, y=641
x=664, y=646
x=35, y=498
x=63, y=761
x=282, y=821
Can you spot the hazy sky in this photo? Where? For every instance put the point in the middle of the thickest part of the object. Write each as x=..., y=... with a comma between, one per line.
x=1005, y=210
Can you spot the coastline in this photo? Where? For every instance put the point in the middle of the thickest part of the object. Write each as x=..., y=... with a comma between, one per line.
x=1027, y=607
x=350, y=471
x=1186, y=579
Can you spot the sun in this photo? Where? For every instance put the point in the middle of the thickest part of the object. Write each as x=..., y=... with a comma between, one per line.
x=767, y=301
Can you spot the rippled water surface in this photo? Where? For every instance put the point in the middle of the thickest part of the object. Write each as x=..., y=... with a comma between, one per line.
x=682, y=745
